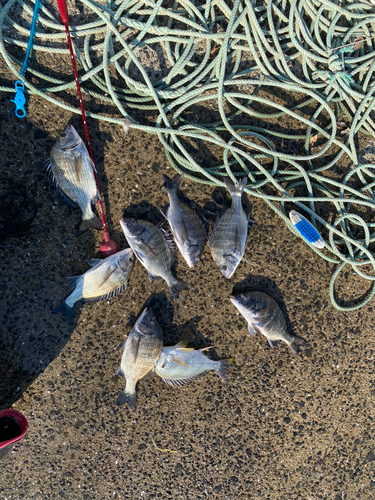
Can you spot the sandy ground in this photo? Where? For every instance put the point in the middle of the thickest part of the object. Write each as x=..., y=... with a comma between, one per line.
x=283, y=427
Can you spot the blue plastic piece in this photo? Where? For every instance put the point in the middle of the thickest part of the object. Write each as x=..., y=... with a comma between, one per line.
x=306, y=229
x=19, y=99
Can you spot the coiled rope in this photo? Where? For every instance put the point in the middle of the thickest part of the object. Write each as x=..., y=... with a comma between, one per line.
x=246, y=87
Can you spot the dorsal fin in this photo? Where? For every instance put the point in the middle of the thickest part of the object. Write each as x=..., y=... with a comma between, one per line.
x=74, y=280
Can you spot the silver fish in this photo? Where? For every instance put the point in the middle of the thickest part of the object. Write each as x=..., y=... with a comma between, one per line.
x=106, y=279
x=265, y=317
x=228, y=237
x=178, y=364
x=72, y=170
x=152, y=250
x=142, y=349
x=188, y=231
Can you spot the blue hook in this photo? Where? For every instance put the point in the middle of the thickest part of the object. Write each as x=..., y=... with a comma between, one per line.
x=19, y=99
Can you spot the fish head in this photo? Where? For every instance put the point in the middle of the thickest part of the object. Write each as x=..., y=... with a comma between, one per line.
x=126, y=258
x=131, y=227
x=70, y=139
x=228, y=265
x=192, y=254
x=147, y=324
x=247, y=304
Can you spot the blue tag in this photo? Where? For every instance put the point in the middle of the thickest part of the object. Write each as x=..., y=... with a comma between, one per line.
x=306, y=229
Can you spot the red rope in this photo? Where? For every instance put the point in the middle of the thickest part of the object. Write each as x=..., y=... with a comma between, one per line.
x=106, y=234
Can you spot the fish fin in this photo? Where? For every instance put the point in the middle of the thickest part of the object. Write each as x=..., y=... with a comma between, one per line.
x=94, y=262
x=120, y=372
x=121, y=344
x=96, y=198
x=235, y=188
x=272, y=343
x=177, y=287
x=178, y=361
x=223, y=369
x=92, y=165
x=180, y=382
x=107, y=274
x=174, y=183
x=296, y=343
x=168, y=236
x=164, y=211
x=256, y=329
x=78, y=165
x=151, y=277
x=139, y=256
x=130, y=399
x=206, y=349
x=251, y=329
x=108, y=296
x=181, y=345
x=65, y=310
x=94, y=222
x=148, y=375
x=134, y=346
x=74, y=280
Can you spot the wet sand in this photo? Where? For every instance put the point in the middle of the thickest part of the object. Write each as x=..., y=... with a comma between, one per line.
x=283, y=427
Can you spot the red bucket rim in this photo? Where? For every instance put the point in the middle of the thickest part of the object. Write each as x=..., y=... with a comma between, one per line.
x=21, y=421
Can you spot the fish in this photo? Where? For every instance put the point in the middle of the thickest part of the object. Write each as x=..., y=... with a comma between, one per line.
x=265, y=317
x=106, y=279
x=229, y=234
x=72, y=171
x=142, y=349
x=187, y=230
x=153, y=252
x=179, y=364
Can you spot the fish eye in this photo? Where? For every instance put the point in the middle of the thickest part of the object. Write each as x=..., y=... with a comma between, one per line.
x=224, y=268
x=63, y=137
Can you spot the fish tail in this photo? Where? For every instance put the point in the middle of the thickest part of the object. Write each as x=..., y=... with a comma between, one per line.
x=66, y=310
x=223, y=369
x=296, y=343
x=91, y=221
x=177, y=287
x=235, y=188
x=129, y=398
x=172, y=184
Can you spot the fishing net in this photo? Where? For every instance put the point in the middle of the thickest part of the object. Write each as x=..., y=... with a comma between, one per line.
x=275, y=90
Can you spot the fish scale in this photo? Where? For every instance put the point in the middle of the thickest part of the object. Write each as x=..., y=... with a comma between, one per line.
x=152, y=250
x=106, y=278
x=265, y=317
x=229, y=234
x=73, y=172
x=179, y=365
x=188, y=231
x=142, y=349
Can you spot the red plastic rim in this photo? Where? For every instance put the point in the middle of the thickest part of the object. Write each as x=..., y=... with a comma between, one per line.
x=21, y=421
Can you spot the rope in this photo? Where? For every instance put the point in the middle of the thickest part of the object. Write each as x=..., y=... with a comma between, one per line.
x=248, y=87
